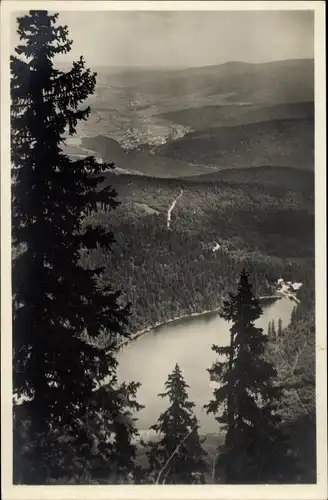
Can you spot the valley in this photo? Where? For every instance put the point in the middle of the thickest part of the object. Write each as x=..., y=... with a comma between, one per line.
x=263, y=221
x=163, y=289
x=214, y=173
x=177, y=123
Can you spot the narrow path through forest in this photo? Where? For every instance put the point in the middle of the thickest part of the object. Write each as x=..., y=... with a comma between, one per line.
x=169, y=212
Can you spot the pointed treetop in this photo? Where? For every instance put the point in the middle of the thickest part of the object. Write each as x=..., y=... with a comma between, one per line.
x=247, y=400
x=242, y=305
x=43, y=36
x=61, y=316
x=178, y=454
x=176, y=387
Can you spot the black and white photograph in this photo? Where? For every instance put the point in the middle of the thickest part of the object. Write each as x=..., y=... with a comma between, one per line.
x=162, y=178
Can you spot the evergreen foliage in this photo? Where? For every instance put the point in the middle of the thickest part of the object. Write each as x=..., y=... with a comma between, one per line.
x=294, y=358
x=279, y=327
x=59, y=308
x=176, y=273
x=246, y=402
x=177, y=458
x=65, y=310
x=293, y=316
x=299, y=312
x=273, y=329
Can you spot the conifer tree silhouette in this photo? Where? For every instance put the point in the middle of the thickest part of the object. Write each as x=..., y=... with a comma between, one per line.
x=246, y=402
x=58, y=304
x=279, y=333
x=178, y=456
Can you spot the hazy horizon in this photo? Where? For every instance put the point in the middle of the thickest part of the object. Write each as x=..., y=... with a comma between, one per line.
x=182, y=67
x=186, y=39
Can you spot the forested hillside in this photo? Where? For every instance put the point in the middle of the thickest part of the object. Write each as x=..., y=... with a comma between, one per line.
x=266, y=227
x=288, y=179
x=294, y=355
x=204, y=117
x=284, y=142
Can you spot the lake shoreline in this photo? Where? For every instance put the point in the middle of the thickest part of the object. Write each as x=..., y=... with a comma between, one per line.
x=188, y=343
x=181, y=318
x=158, y=325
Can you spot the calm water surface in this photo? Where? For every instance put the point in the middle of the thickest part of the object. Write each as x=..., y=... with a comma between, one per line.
x=153, y=356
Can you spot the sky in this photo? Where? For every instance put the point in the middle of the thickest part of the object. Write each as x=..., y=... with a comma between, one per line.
x=186, y=38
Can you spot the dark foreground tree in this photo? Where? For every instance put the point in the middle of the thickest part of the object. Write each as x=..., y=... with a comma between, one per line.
x=273, y=329
x=255, y=449
x=177, y=458
x=279, y=333
x=60, y=309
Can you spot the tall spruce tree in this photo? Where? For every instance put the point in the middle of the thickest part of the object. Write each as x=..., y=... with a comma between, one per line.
x=279, y=333
x=273, y=329
x=178, y=457
x=58, y=304
x=293, y=316
x=269, y=330
x=246, y=402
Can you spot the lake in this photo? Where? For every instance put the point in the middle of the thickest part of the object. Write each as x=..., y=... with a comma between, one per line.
x=152, y=357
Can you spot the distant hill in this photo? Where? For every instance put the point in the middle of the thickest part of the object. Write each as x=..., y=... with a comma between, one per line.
x=289, y=178
x=204, y=117
x=274, y=82
x=284, y=181
x=167, y=90
x=280, y=143
x=242, y=115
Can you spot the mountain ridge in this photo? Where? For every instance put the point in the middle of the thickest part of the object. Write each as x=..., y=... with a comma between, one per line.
x=287, y=142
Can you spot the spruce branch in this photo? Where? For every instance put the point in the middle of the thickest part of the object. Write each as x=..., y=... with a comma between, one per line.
x=174, y=453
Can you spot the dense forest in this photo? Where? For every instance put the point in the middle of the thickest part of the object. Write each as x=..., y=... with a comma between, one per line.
x=94, y=262
x=168, y=273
